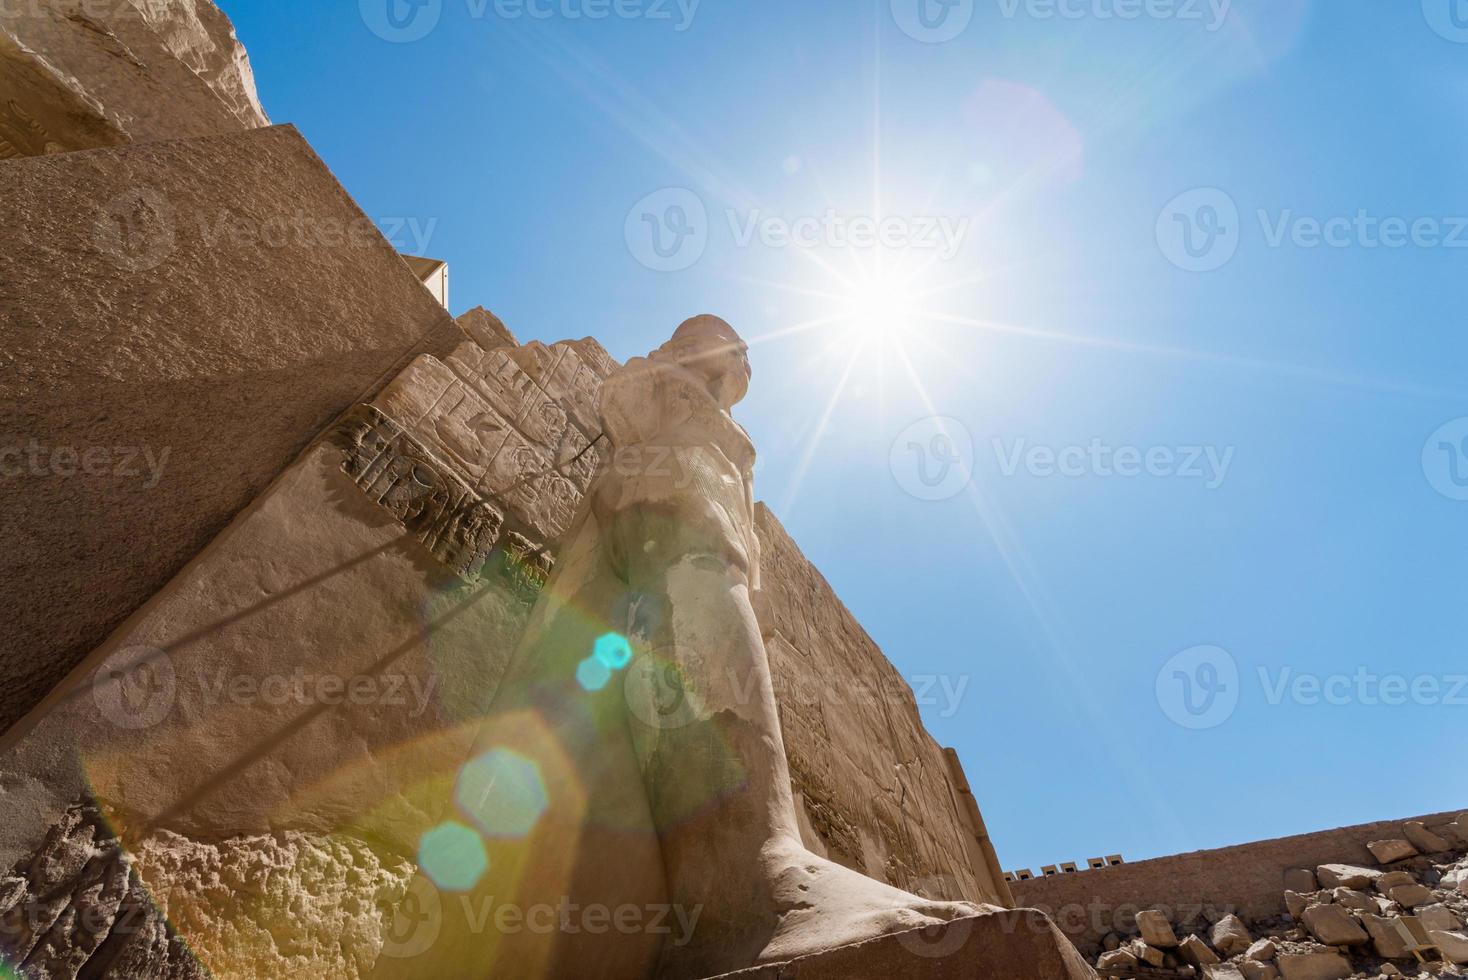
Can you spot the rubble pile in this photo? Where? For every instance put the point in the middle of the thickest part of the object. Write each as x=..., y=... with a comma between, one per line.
x=1403, y=918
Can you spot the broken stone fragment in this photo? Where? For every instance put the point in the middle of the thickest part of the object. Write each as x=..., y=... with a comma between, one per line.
x=1439, y=918
x=1395, y=879
x=1411, y=896
x=1391, y=851
x=1196, y=952
x=1253, y=970
x=1263, y=950
x=1296, y=904
x=1315, y=966
x=1146, y=954
x=1116, y=959
x=1454, y=945
x=1156, y=930
x=1352, y=899
x=1425, y=840
x=1230, y=936
x=1345, y=876
x=1390, y=936
x=1222, y=971
x=1300, y=880
x=1334, y=926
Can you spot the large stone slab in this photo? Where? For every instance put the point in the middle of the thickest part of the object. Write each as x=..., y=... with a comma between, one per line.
x=177, y=322
x=79, y=74
x=1020, y=944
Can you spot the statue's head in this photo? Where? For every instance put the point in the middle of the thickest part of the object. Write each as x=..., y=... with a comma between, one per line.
x=710, y=348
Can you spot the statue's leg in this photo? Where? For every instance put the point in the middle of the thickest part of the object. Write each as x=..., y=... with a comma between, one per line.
x=707, y=736
x=559, y=874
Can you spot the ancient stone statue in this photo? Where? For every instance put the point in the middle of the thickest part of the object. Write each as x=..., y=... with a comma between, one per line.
x=642, y=694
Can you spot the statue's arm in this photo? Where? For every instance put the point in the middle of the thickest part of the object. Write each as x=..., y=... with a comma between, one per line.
x=635, y=404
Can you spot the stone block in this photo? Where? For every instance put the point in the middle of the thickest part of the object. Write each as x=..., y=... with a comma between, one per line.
x=1230, y=936
x=1195, y=951
x=186, y=317
x=1346, y=876
x=1222, y=971
x=1334, y=926
x=1156, y=930
x=1315, y=966
x=1394, y=879
x=1253, y=970
x=1146, y=954
x=1261, y=951
x=1014, y=945
x=1425, y=840
x=1300, y=880
x=486, y=329
x=1358, y=901
x=1454, y=945
x=1411, y=896
x=1296, y=904
x=1439, y=918
x=1392, y=851
x=83, y=75
x=1391, y=941
x=1117, y=959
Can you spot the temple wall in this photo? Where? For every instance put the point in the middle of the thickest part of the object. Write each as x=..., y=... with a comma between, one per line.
x=177, y=322
x=1247, y=880
x=79, y=74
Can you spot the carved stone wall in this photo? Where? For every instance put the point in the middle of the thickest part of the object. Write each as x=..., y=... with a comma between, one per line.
x=78, y=74
x=177, y=322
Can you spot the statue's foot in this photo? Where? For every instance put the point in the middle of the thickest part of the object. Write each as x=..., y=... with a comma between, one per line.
x=822, y=905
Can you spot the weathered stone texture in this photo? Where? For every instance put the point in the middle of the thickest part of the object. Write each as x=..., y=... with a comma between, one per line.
x=209, y=306
x=1016, y=944
x=876, y=788
x=1248, y=880
x=79, y=74
x=268, y=906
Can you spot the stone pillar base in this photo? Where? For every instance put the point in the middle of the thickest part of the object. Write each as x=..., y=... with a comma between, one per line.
x=1018, y=944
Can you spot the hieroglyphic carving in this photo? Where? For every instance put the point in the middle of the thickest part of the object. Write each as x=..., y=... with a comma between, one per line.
x=434, y=504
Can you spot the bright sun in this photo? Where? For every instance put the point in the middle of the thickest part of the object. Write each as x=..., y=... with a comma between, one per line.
x=880, y=308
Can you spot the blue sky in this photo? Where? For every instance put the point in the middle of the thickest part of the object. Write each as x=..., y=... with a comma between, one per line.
x=1185, y=280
